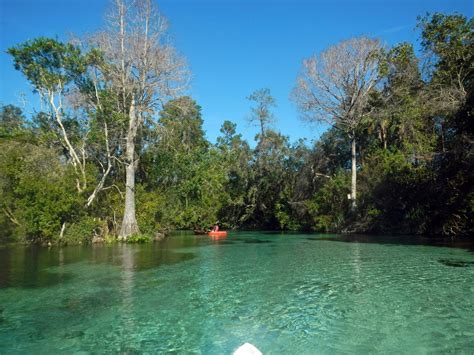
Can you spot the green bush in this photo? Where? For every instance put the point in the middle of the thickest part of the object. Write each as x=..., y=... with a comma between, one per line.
x=149, y=215
x=139, y=239
x=37, y=190
x=329, y=207
x=82, y=231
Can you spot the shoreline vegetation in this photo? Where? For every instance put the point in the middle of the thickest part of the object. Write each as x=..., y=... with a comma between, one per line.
x=459, y=242
x=119, y=151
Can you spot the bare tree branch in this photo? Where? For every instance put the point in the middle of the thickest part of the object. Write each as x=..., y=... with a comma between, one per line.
x=334, y=86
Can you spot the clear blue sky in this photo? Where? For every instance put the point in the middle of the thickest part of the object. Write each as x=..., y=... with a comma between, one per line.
x=233, y=46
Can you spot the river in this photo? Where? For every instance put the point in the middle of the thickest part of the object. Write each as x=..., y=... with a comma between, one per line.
x=284, y=293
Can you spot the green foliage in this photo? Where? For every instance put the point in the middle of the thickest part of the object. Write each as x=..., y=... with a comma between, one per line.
x=48, y=63
x=330, y=205
x=185, y=177
x=181, y=123
x=235, y=156
x=285, y=217
x=393, y=191
x=269, y=173
x=12, y=121
x=260, y=112
x=36, y=190
x=199, y=195
x=450, y=39
x=139, y=239
x=82, y=230
x=415, y=155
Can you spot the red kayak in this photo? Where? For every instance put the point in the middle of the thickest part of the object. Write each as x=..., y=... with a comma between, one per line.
x=217, y=234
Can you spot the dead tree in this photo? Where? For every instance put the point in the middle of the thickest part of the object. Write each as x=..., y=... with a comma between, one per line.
x=333, y=87
x=144, y=71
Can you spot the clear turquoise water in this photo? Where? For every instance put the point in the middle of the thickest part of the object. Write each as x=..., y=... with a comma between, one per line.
x=286, y=294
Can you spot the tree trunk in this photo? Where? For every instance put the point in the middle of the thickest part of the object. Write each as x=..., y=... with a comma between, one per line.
x=129, y=223
x=354, y=172
x=384, y=136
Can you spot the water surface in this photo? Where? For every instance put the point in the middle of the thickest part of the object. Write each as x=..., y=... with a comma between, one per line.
x=298, y=294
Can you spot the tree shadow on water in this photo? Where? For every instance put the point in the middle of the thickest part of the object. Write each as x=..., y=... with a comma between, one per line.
x=32, y=267
x=390, y=240
x=139, y=257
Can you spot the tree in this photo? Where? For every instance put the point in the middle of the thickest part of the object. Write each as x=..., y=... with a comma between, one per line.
x=399, y=111
x=269, y=177
x=50, y=66
x=235, y=160
x=334, y=88
x=181, y=124
x=261, y=113
x=181, y=169
x=37, y=194
x=449, y=42
x=66, y=80
x=11, y=120
x=145, y=71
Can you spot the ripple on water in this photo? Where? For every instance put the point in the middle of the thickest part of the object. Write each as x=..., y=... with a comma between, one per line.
x=192, y=295
x=456, y=262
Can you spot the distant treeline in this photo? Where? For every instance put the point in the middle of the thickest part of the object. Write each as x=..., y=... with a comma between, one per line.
x=65, y=172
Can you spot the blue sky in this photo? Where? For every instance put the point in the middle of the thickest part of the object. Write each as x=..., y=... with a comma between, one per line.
x=233, y=47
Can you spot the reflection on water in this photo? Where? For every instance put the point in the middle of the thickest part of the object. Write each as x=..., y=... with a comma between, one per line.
x=464, y=243
x=257, y=241
x=25, y=267
x=456, y=263
x=30, y=266
x=283, y=293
